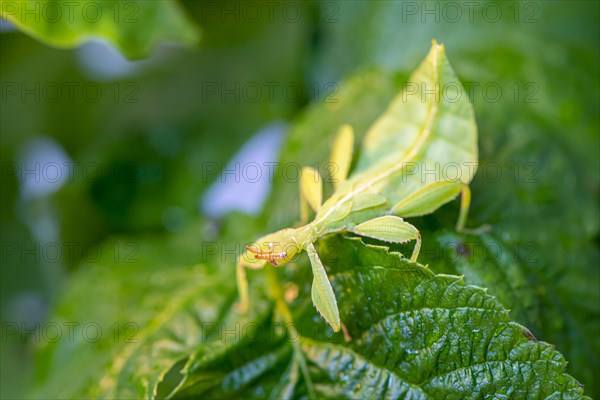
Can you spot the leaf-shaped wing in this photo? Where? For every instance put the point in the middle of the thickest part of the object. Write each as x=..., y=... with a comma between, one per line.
x=430, y=122
x=428, y=134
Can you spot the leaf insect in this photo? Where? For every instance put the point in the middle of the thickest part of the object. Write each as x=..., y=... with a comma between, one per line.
x=400, y=173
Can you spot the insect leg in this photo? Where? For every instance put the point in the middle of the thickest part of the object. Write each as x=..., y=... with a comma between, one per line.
x=244, y=261
x=465, y=202
x=341, y=154
x=242, y=286
x=429, y=198
x=390, y=228
x=322, y=293
x=303, y=210
x=311, y=192
x=347, y=337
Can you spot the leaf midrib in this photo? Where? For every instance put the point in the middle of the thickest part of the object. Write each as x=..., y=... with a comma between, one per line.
x=115, y=368
x=415, y=148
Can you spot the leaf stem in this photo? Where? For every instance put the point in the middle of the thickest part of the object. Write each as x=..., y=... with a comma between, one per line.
x=277, y=293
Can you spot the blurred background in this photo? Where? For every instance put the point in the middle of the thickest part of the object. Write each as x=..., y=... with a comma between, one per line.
x=95, y=146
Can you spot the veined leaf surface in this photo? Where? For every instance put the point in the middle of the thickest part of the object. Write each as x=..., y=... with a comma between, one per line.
x=428, y=134
x=415, y=334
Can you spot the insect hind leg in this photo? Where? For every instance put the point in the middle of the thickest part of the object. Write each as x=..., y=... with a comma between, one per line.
x=242, y=280
x=393, y=229
x=465, y=202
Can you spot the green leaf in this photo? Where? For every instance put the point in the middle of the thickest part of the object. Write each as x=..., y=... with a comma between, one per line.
x=415, y=335
x=541, y=257
x=134, y=27
x=136, y=318
x=413, y=331
x=549, y=310
x=434, y=333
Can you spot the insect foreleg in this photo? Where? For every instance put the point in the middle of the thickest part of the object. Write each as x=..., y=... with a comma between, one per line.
x=321, y=292
x=417, y=249
x=390, y=228
x=242, y=279
x=303, y=210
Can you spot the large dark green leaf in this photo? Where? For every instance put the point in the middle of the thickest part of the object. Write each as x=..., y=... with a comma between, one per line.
x=415, y=335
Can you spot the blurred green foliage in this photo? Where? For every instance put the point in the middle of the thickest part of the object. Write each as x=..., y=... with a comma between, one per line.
x=542, y=131
x=134, y=27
